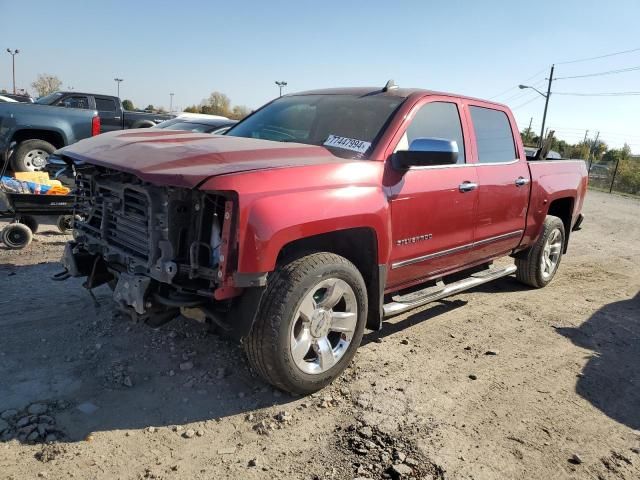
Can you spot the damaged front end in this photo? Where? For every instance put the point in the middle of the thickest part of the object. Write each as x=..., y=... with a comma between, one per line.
x=163, y=250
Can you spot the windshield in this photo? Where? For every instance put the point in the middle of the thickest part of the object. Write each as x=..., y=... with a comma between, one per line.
x=49, y=99
x=348, y=125
x=192, y=126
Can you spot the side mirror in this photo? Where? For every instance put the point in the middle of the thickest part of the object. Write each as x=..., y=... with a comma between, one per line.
x=424, y=152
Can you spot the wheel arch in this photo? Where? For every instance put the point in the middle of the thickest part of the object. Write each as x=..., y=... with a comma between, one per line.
x=563, y=209
x=55, y=138
x=358, y=245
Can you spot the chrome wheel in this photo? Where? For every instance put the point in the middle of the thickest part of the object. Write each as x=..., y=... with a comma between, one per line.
x=551, y=254
x=323, y=326
x=35, y=159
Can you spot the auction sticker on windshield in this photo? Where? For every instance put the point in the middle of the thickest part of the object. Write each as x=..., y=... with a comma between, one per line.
x=347, y=143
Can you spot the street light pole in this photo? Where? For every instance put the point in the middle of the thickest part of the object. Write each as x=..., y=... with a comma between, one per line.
x=118, y=80
x=170, y=102
x=546, y=103
x=13, y=54
x=280, y=85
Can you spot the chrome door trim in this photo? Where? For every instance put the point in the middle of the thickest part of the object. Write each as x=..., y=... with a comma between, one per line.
x=450, y=251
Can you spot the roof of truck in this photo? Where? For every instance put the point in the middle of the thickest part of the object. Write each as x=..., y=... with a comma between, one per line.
x=392, y=92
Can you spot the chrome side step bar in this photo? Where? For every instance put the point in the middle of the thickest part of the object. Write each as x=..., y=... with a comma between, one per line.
x=432, y=294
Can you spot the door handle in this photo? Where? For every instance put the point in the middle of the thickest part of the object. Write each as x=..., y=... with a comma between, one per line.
x=467, y=186
x=116, y=118
x=521, y=181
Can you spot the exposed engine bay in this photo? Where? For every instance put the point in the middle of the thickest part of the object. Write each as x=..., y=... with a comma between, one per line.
x=159, y=248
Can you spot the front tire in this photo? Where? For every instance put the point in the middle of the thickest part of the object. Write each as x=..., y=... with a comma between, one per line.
x=541, y=261
x=310, y=323
x=31, y=155
x=16, y=236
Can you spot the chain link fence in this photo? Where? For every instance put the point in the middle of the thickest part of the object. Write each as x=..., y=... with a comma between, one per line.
x=621, y=176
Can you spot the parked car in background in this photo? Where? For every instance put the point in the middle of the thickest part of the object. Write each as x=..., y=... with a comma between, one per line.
x=30, y=133
x=7, y=99
x=200, y=124
x=317, y=216
x=18, y=97
x=112, y=115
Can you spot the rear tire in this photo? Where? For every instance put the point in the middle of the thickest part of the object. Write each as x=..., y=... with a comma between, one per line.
x=310, y=323
x=16, y=236
x=31, y=155
x=539, y=264
x=65, y=224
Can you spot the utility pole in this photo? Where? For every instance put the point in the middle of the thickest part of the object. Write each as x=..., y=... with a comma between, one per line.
x=546, y=105
x=529, y=130
x=13, y=54
x=584, y=142
x=118, y=80
x=592, y=151
x=280, y=85
x=170, y=102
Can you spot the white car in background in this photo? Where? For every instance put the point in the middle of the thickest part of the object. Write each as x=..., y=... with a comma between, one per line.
x=7, y=99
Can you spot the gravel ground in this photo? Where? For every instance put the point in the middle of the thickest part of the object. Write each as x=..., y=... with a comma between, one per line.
x=499, y=382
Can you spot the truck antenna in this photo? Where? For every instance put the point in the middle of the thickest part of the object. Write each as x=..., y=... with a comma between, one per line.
x=390, y=85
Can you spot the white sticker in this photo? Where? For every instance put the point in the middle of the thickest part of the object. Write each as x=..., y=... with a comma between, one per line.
x=347, y=143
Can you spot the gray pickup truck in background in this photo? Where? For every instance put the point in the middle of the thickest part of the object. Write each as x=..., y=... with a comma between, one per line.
x=112, y=115
x=30, y=133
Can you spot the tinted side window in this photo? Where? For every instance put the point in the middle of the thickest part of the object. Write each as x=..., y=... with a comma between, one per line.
x=105, y=104
x=438, y=120
x=74, y=102
x=493, y=134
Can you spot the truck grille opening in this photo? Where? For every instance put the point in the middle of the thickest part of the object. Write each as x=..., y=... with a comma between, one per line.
x=118, y=215
x=171, y=234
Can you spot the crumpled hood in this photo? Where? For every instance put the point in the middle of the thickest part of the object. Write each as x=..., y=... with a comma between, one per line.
x=185, y=159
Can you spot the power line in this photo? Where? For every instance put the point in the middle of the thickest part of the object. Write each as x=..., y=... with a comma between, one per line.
x=597, y=74
x=600, y=94
x=599, y=56
x=526, y=103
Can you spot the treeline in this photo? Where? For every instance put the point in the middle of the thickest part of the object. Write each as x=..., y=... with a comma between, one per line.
x=219, y=104
x=609, y=161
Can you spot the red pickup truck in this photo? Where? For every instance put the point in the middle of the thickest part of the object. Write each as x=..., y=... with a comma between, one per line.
x=318, y=215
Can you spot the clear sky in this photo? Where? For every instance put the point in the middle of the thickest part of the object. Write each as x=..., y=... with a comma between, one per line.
x=477, y=48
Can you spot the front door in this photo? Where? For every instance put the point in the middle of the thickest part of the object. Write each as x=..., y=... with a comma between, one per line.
x=504, y=184
x=432, y=208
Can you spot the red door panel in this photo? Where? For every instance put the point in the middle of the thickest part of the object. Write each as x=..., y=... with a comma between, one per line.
x=432, y=222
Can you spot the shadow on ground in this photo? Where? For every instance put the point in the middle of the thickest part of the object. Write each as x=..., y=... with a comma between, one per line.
x=70, y=367
x=611, y=378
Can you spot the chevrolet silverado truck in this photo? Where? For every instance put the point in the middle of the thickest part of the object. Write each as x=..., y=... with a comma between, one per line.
x=30, y=133
x=317, y=216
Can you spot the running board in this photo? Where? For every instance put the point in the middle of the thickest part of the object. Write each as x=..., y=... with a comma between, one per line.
x=431, y=294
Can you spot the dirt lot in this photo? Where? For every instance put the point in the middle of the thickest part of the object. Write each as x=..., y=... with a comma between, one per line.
x=499, y=382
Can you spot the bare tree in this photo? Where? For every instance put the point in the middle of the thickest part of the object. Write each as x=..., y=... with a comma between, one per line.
x=46, y=84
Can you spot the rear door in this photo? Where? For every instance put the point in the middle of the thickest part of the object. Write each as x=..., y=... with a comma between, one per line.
x=432, y=208
x=503, y=179
x=109, y=113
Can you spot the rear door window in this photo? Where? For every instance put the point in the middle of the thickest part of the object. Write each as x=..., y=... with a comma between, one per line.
x=105, y=104
x=493, y=135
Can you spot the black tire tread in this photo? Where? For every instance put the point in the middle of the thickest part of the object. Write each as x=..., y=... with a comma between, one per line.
x=26, y=230
x=528, y=266
x=264, y=333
